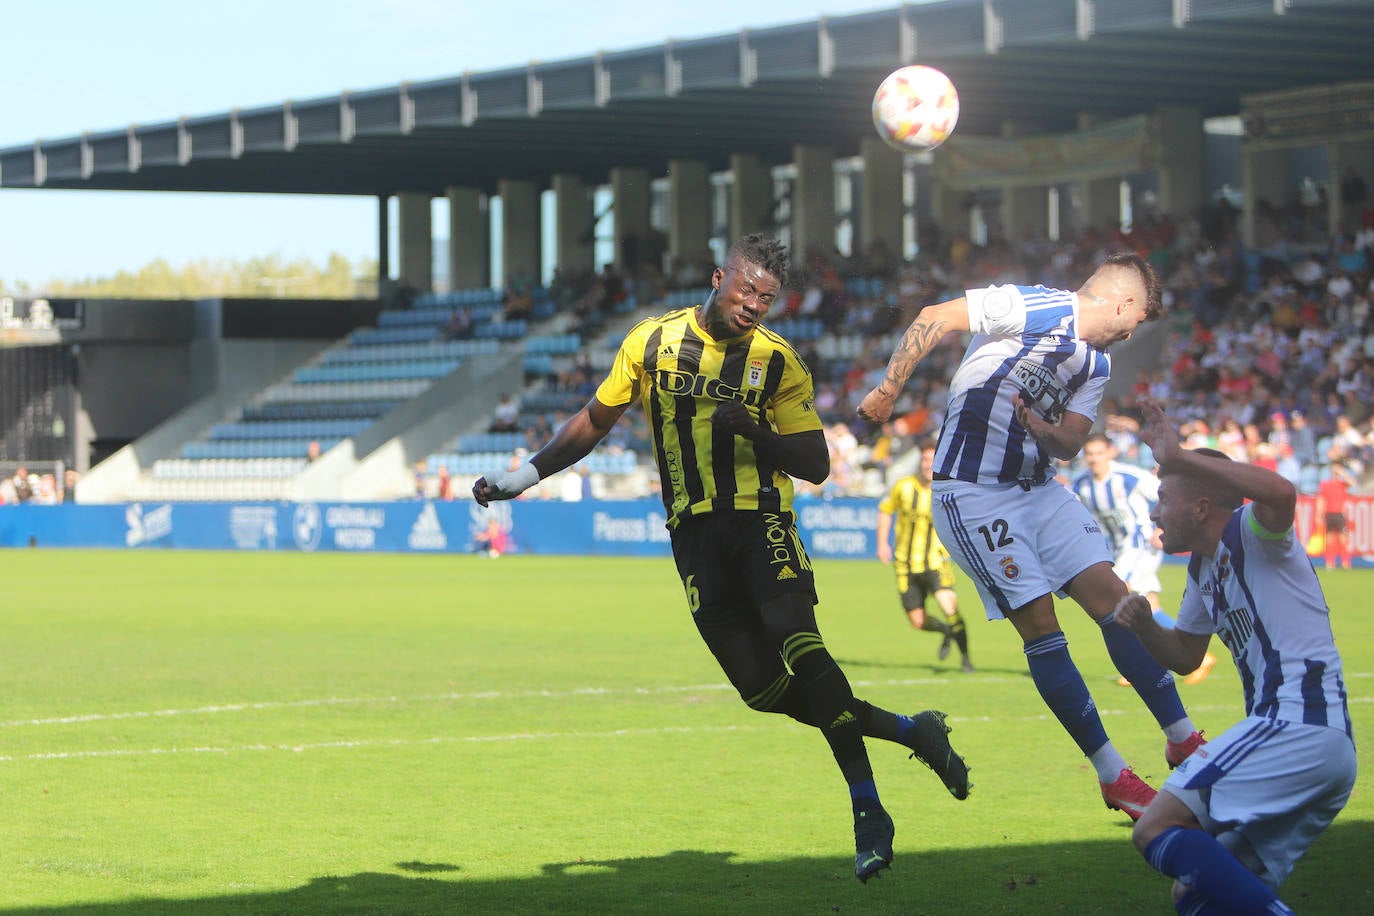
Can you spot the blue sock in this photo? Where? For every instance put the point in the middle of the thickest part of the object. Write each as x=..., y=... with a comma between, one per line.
x=865, y=788
x=1149, y=678
x=1064, y=692
x=1164, y=620
x=904, y=726
x=1199, y=861
x=1194, y=903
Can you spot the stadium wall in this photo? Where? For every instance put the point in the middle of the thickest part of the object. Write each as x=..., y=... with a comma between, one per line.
x=840, y=528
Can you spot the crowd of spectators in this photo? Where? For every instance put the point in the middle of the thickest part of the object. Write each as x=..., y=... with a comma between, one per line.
x=1267, y=353
x=46, y=489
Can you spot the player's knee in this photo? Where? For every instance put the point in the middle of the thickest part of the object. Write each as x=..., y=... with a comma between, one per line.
x=788, y=614
x=1143, y=834
x=766, y=697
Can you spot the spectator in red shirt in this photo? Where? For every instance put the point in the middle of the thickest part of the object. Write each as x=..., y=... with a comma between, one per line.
x=1333, y=495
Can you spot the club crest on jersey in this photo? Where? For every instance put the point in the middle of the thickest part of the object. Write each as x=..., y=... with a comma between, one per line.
x=755, y=372
x=1009, y=568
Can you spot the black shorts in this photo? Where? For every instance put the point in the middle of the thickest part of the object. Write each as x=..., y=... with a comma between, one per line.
x=914, y=588
x=1335, y=522
x=738, y=560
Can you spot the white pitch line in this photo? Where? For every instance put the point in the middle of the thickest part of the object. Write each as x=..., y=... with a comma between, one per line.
x=429, y=698
x=478, y=739
x=963, y=683
x=380, y=743
x=481, y=739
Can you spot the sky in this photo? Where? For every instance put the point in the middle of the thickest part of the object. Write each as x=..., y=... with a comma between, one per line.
x=93, y=65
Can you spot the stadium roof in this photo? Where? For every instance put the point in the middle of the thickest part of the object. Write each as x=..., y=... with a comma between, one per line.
x=1034, y=63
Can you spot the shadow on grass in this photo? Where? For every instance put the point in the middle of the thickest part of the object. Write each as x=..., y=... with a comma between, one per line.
x=1060, y=878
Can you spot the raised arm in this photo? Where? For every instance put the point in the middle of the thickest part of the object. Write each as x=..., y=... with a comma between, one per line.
x=1275, y=499
x=569, y=445
x=925, y=331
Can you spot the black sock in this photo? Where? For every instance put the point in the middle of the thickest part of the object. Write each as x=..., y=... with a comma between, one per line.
x=831, y=702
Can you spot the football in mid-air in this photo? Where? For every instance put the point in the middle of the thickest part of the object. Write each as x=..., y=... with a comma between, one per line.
x=916, y=108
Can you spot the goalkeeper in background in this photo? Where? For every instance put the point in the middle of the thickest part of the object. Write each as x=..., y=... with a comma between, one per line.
x=922, y=564
x=732, y=411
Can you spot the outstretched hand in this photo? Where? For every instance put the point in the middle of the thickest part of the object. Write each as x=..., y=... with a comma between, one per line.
x=1157, y=432
x=507, y=485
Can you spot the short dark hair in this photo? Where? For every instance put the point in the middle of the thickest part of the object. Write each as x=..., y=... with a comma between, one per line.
x=763, y=250
x=1223, y=495
x=1154, y=303
x=1098, y=437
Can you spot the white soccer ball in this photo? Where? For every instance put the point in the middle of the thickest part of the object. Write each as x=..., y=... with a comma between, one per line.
x=916, y=108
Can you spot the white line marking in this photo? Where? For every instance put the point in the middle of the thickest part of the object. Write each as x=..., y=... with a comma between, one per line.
x=438, y=697
x=389, y=742
x=484, y=695
x=963, y=682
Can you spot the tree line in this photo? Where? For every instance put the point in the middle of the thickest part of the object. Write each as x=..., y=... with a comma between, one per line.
x=269, y=276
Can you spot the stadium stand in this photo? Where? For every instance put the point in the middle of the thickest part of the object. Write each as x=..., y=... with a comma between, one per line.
x=339, y=394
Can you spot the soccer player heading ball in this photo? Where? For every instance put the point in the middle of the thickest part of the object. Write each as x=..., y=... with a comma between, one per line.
x=1027, y=391
x=731, y=408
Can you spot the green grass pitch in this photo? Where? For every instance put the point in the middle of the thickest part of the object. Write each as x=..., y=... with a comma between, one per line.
x=199, y=733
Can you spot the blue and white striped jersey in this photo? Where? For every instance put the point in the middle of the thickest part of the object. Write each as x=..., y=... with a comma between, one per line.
x=1121, y=504
x=1260, y=595
x=1024, y=339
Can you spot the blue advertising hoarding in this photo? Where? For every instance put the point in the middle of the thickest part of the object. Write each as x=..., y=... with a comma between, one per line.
x=830, y=528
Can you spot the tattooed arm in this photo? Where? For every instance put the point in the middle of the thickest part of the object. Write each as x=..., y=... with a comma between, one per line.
x=931, y=324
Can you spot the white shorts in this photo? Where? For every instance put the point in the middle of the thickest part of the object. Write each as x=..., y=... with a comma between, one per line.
x=1139, y=569
x=1276, y=784
x=1016, y=545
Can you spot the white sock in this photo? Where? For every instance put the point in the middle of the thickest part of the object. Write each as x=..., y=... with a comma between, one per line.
x=1180, y=730
x=1107, y=762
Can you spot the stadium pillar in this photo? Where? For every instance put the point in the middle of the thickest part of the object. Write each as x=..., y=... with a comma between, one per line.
x=949, y=209
x=417, y=245
x=1026, y=212
x=1263, y=172
x=1351, y=184
x=520, y=230
x=881, y=198
x=813, y=200
x=689, y=208
x=1101, y=203
x=751, y=196
x=575, y=222
x=630, y=197
x=469, y=239
x=383, y=246
x=1181, y=170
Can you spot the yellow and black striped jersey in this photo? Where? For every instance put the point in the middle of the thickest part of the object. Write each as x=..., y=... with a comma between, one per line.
x=917, y=547
x=680, y=374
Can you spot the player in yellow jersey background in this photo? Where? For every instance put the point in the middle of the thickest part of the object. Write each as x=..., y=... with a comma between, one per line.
x=731, y=410
x=923, y=566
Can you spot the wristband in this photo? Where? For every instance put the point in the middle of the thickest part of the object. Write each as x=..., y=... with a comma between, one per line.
x=518, y=480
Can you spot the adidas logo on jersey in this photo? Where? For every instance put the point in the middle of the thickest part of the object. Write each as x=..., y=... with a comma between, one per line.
x=786, y=573
x=667, y=352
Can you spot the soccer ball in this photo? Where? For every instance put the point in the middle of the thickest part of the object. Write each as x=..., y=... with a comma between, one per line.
x=915, y=108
